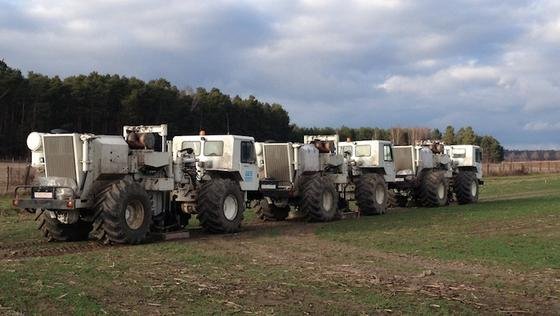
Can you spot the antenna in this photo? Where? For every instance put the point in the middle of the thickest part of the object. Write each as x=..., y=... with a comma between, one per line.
x=227, y=122
x=201, y=118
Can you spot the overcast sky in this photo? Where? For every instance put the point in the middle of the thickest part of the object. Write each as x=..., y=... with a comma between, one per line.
x=494, y=65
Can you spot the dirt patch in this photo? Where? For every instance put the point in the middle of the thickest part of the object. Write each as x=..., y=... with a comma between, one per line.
x=480, y=287
x=292, y=246
x=43, y=249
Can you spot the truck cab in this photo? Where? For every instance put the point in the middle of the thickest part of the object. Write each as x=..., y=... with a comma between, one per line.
x=370, y=156
x=221, y=154
x=466, y=157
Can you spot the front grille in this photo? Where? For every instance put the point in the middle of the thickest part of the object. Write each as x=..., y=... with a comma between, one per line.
x=59, y=156
x=277, y=162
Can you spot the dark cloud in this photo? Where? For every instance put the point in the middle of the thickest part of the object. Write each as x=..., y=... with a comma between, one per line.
x=492, y=65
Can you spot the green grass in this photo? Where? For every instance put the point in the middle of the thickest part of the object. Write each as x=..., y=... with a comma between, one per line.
x=5, y=203
x=523, y=234
x=520, y=186
x=15, y=225
x=248, y=273
x=181, y=278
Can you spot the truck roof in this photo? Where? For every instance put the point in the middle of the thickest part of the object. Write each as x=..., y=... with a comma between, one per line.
x=363, y=142
x=462, y=146
x=214, y=137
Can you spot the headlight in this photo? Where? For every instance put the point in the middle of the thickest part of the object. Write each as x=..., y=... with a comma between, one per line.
x=258, y=149
x=34, y=141
x=64, y=193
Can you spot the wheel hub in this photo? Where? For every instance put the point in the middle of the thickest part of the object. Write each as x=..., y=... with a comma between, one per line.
x=327, y=200
x=474, y=188
x=379, y=194
x=134, y=214
x=230, y=207
x=441, y=191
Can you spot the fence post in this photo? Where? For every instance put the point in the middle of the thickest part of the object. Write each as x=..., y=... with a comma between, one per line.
x=7, y=179
x=27, y=171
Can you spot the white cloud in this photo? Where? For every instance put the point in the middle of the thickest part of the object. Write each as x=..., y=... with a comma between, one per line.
x=447, y=80
x=542, y=126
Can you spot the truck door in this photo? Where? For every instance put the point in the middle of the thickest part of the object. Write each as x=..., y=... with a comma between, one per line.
x=388, y=162
x=248, y=167
x=478, y=162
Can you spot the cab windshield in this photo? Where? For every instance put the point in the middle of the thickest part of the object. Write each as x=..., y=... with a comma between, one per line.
x=213, y=148
x=194, y=145
x=363, y=150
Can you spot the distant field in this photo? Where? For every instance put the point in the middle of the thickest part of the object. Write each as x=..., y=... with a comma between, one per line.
x=501, y=256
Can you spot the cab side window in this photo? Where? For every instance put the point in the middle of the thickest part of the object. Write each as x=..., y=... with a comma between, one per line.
x=248, y=152
x=478, y=155
x=387, y=153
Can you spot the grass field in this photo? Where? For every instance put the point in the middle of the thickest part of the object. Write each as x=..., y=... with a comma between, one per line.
x=500, y=256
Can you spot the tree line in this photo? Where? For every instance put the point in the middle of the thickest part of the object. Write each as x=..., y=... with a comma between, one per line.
x=102, y=104
x=491, y=147
x=531, y=155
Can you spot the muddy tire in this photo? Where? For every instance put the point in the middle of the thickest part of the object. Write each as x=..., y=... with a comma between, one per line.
x=53, y=230
x=371, y=194
x=271, y=212
x=124, y=213
x=319, y=201
x=394, y=199
x=220, y=206
x=465, y=187
x=433, y=189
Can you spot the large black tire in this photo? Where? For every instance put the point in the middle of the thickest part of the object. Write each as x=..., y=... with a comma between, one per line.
x=54, y=230
x=371, y=194
x=395, y=199
x=271, y=212
x=433, y=189
x=124, y=213
x=465, y=187
x=319, y=200
x=220, y=206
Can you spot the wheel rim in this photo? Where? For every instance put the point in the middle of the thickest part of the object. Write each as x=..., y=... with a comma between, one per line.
x=230, y=207
x=474, y=188
x=441, y=191
x=379, y=194
x=327, y=200
x=134, y=214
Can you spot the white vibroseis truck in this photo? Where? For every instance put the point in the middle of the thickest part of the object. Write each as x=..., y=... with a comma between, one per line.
x=428, y=173
x=371, y=170
x=305, y=176
x=423, y=173
x=411, y=172
x=467, y=172
x=119, y=188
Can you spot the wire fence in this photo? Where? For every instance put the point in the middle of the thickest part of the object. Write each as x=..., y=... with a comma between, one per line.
x=512, y=168
x=13, y=174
